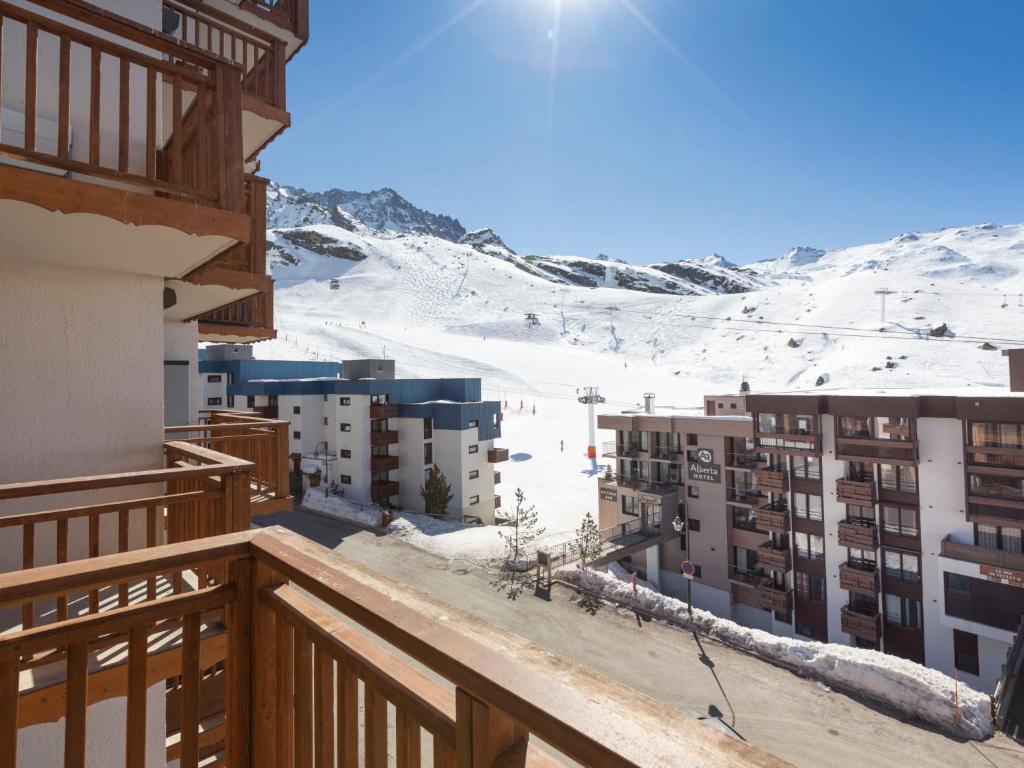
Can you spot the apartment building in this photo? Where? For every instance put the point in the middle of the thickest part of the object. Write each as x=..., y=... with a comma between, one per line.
x=377, y=436
x=886, y=520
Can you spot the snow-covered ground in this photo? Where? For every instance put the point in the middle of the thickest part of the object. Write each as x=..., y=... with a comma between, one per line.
x=910, y=688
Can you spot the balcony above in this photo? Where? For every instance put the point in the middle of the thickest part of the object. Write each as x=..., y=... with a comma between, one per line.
x=861, y=493
x=858, y=580
x=383, y=463
x=971, y=553
x=866, y=626
x=876, y=450
x=649, y=487
x=772, y=559
x=858, y=534
x=287, y=20
x=773, y=520
x=497, y=455
x=386, y=437
x=497, y=478
x=771, y=480
x=381, y=411
x=154, y=187
x=497, y=501
x=613, y=450
x=381, y=491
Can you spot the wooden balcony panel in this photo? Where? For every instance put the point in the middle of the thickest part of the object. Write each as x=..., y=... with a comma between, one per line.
x=857, y=535
x=773, y=520
x=496, y=455
x=388, y=437
x=497, y=501
x=772, y=559
x=247, y=320
x=381, y=491
x=862, y=493
x=300, y=602
x=866, y=626
x=383, y=463
x=773, y=598
x=875, y=450
x=857, y=580
x=971, y=553
x=497, y=477
x=771, y=481
x=383, y=411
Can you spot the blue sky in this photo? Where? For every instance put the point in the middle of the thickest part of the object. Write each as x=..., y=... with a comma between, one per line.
x=668, y=128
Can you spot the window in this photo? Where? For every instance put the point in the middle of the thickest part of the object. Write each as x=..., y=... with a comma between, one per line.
x=250, y=401
x=345, y=427
x=901, y=521
x=428, y=453
x=809, y=546
x=958, y=583
x=231, y=401
x=861, y=558
x=474, y=500
x=345, y=479
x=895, y=477
x=272, y=401
x=474, y=449
x=744, y=518
x=904, y=611
x=993, y=537
x=746, y=559
x=809, y=586
x=344, y=401
x=474, y=474
x=696, y=571
x=807, y=467
x=856, y=513
x=325, y=398
x=630, y=507
x=905, y=566
x=325, y=421
x=997, y=486
x=474, y=423
x=344, y=453
x=213, y=401
x=856, y=426
x=693, y=492
x=693, y=525
x=965, y=651
x=691, y=439
x=296, y=435
x=807, y=506
x=214, y=378
x=988, y=434
x=733, y=406
x=428, y=429
x=296, y=410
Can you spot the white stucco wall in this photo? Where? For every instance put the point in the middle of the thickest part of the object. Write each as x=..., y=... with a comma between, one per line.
x=181, y=343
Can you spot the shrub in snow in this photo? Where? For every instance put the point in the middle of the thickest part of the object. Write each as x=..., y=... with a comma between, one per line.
x=910, y=688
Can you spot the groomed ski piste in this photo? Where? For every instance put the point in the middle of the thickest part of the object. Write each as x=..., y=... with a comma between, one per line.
x=810, y=320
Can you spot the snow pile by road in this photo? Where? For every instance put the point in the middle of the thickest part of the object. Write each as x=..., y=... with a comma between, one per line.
x=452, y=541
x=912, y=689
x=338, y=506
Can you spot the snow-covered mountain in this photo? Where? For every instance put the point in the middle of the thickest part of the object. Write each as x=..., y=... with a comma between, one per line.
x=808, y=320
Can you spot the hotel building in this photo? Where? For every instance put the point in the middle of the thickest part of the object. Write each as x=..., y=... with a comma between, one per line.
x=886, y=520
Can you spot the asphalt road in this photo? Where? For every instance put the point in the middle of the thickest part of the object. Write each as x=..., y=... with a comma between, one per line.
x=800, y=720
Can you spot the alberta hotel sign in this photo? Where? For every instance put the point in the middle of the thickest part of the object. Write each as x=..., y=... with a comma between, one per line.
x=704, y=469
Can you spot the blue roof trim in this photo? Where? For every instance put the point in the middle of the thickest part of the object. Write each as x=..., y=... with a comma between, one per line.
x=397, y=390
x=458, y=415
x=245, y=370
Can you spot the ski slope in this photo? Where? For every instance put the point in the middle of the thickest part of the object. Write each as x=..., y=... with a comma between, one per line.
x=809, y=321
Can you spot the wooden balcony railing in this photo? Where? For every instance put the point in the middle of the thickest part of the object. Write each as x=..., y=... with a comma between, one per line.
x=380, y=411
x=497, y=501
x=143, y=111
x=773, y=520
x=495, y=455
x=259, y=55
x=309, y=653
x=859, y=534
x=383, y=463
x=497, y=477
x=865, y=625
x=774, y=559
x=262, y=442
x=861, y=493
x=860, y=580
x=384, y=437
x=771, y=481
x=199, y=493
x=971, y=553
x=292, y=15
x=382, y=490
x=771, y=597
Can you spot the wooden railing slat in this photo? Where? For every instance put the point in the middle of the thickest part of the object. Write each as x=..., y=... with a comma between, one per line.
x=407, y=740
x=31, y=41
x=9, y=712
x=189, y=720
x=284, y=696
x=124, y=115
x=62, y=557
x=64, y=97
x=347, y=716
x=323, y=709
x=303, y=701
x=135, y=710
x=77, y=704
x=375, y=727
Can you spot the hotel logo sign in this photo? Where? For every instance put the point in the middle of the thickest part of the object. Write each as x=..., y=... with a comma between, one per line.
x=704, y=470
x=1002, y=576
x=609, y=494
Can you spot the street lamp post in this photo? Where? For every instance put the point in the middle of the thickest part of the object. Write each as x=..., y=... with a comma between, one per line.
x=687, y=569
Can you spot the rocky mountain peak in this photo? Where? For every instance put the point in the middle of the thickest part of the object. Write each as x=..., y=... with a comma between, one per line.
x=485, y=240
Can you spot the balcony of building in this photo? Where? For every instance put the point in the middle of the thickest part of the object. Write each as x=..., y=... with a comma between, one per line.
x=858, y=534
x=287, y=20
x=744, y=495
x=769, y=596
x=259, y=54
x=972, y=553
x=861, y=623
x=383, y=437
x=497, y=455
x=625, y=450
x=231, y=297
x=379, y=411
x=381, y=491
x=773, y=558
x=860, y=491
x=857, y=578
x=876, y=450
x=667, y=453
x=383, y=463
x=497, y=477
x=772, y=479
x=798, y=435
x=745, y=460
x=125, y=153
x=497, y=501
x=282, y=652
x=642, y=485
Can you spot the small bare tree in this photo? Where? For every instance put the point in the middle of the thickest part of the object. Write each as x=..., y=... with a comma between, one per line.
x=520, y=546
x=588, y=540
